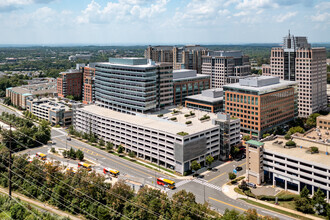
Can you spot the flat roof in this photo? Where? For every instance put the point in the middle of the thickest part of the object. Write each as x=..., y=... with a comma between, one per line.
x=326, y=117
x=256, y=143
x=297, y=152
x=201, y=97
x=163, y=123
x=268, y=88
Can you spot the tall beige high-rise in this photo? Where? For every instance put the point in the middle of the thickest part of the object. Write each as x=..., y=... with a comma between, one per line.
x=296, y=60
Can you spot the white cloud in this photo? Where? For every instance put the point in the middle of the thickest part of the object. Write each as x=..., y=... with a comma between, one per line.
x=283, y=17
x=321, y=17
x=323, y=6
x=122, y=10
x=256, y=4
x=10, y=5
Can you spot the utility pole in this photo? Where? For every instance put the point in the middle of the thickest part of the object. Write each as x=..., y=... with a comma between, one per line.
x=9, y=167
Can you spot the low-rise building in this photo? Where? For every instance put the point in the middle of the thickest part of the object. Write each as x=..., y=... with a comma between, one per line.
x=188, y=82
x=18, y=95
x=51, y=109
x=323, y=122
x=290, y=168
x=171, y=138
x=211, y=100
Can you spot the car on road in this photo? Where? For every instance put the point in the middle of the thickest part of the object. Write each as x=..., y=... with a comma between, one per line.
x=68, y=138
x=238, y=168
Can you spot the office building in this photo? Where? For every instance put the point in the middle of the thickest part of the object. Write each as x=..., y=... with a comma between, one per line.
x=188, y=57
x=159, y=53
x=70, y=83
x=88, y=85
x=18, y=95
x=133, y=85
x=230, y=131
x=187, y=83
x=323, y=122
x=167, y=137
x=261, y=103
x=297, y=61
x=57, y=112
x=225, y=67
x=210, y=100
x=290, y=168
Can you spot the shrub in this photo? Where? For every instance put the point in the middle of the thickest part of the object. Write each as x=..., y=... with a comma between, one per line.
x=265, y=135
x=297, y=129
x=182, y=133
x=205, y=117
x=173, y=119
x=188, y=122
x=290, y=143
x=192, y=113
x=120, y=149
x=287, y=136
x=131, y=154
x=186, y=115
x=234, y=181
x=243, y=186
x=314, y=149
x=65, y=153
x=80, y=155
x=160, y=115
x=246, y=137
x=175, y=111
x=231, y=176
x=52, y=150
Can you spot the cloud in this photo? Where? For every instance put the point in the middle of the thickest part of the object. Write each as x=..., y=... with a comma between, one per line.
x=122, y=10
x=11, y=5
x=321, y=17
x=256, y=4
x=283, y=17
x=323, y=6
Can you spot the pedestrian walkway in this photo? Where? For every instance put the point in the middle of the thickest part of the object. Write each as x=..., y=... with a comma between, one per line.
x=204, y=182
x=181, y=183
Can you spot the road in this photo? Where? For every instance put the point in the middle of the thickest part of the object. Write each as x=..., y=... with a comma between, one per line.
x=206, y=188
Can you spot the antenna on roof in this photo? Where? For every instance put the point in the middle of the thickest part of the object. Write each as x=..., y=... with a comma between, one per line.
x=289, y=32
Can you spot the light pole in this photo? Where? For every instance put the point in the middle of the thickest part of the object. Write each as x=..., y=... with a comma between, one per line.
x=66, y=143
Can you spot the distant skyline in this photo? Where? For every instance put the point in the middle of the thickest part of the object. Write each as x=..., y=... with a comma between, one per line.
x=144, y=22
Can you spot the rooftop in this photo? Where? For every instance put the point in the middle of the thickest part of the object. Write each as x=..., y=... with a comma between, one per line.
x=136, y=62
x=255, y=143
x=163, y=122
x=297, y=152
x=53, y=103
x=41, y=88
x=186, y=74
x=261, y=84
x=230, y=53
x=324, y=117
x=209, y=95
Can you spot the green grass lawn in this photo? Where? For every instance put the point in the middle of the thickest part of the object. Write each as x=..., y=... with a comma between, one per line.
x=276, y=209
x=239, y=191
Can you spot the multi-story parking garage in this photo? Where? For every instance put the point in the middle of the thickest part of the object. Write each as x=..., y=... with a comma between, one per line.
x=170, y=138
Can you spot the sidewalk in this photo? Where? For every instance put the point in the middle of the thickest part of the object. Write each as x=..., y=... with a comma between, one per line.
x=229, y=191
x=42, y=205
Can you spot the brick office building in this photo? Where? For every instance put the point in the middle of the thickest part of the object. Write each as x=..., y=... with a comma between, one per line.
x=70, y=83
x=261, y=103
x=89, y=88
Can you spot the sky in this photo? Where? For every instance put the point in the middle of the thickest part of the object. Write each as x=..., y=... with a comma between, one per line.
x=151, y=22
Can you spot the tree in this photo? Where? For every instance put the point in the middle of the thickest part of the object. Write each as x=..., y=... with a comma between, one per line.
x=246, y=137
x=209, y=160
x=65, y=153
x=287, y=136
x=232, y=215
x=195, y=166
x=298, y=129
x=109, y=146
x=311, y=120
x=290, y=143
x=304, y=193
x=265, y=135
x=80, y=155
x=101, y=142
x=318, y=201
x=72, y=153
x=231, y=175
x=243, y=186
x=7, y=101
x=234, y=150
x=120, y=149
x=131, y=154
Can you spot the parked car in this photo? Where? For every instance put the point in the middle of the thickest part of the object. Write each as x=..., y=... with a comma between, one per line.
x=68, y=138
x=252, y=185
x=238, y=168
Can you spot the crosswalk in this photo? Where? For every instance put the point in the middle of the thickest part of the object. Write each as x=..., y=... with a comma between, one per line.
x=204, y=182
x=181, y=183
x=199, y=181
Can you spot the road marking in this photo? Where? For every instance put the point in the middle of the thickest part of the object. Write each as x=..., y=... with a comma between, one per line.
x=59, y=136
x=236, y=207
x=181, y=183
x=216, y=177
x=242, y=164
x=205, y=183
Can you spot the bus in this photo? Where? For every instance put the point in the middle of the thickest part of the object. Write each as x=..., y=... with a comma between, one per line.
x=85, y=165
x=41, y=156
x=112, y=172
x=165, y=182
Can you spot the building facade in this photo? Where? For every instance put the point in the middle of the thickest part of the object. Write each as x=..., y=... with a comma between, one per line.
x=88, y=85
x=323, y=122
x=211, y=100
x=56, y=111
x=18, y=95
x=70, y=83
x=159, y=53
x=289, y=168
x=133, y=84
x=188, y=57
x=225, y=66
x=298, y=61
x=187, y=83
x=261, y=103
x=156, y=138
